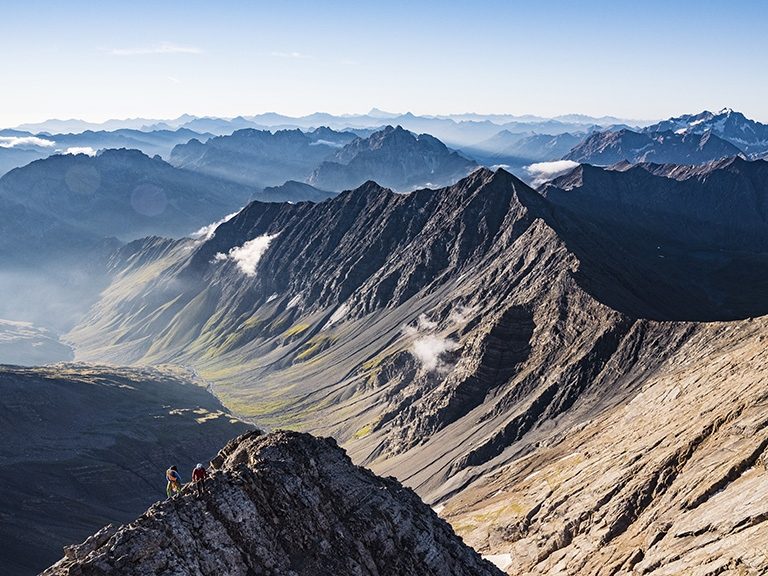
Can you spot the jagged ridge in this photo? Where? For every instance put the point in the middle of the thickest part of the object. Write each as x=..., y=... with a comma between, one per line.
x=282, y=504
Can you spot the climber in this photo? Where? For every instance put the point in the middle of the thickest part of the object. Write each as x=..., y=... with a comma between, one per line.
x=198, y=478
x=174, y=481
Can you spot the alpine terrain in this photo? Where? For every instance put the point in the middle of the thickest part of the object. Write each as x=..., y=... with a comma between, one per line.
x=503, y=351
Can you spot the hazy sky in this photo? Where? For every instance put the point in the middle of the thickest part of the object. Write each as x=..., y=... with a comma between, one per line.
x=652, y=59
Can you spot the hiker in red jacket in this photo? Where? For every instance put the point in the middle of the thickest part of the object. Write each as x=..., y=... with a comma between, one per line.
x=198, y=478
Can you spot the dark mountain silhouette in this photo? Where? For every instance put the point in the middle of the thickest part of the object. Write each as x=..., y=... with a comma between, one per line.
x=293, y=191
x=606, y=148
x=394, y=158
x=121, y=193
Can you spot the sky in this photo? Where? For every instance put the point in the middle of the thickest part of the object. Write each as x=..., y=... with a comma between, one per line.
x=640, y=60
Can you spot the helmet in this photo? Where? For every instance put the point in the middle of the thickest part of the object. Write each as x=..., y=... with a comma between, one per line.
x=199, y=466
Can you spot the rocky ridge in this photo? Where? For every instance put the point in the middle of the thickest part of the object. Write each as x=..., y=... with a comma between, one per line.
x=282, y=504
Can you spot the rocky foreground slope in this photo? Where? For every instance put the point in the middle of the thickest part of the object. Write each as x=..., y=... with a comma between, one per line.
x=83, y=446
x=282, y=504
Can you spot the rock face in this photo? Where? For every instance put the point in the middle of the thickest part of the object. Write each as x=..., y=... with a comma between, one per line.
x=282, y=504
x=394, y=158
x=83, y=446
x=606, y=148
x=670, y=481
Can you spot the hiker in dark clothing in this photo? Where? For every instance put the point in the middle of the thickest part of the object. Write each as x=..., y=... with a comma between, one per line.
x=198, y=478
x=174, y=481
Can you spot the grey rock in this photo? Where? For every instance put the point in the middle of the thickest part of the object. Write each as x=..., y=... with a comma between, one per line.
x=282, y=504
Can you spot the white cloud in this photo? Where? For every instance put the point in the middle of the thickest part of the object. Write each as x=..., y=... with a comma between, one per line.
x=207, y=232
x=87, y=150
x=248, y=255
x=545, y=171
x=427, y=348
x=292, y=55
x=161, y=48
x=20, y=141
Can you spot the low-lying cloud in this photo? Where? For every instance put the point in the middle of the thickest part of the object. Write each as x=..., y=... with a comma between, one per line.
x=23, y=141
x=87, y=150
x=427, y=348
x=542, y=172
x=248, y=255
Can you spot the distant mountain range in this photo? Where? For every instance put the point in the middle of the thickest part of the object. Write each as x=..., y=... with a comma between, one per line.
x=121, y=193
x=325, y=158
x=606, y=148
x=688, y=139
x=261, y=158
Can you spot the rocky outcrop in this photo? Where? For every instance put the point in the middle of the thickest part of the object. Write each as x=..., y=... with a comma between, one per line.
x=282, y=504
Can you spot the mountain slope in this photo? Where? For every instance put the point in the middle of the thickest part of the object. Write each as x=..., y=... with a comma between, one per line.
x=452, y=336
x=394, y=158
x=84, y=446
x=687, y=243
x=606, y=148
x=121, y=193
x=285, y=503
x=669, y=481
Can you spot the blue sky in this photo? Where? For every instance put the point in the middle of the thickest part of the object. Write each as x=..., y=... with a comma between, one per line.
x=99, y=60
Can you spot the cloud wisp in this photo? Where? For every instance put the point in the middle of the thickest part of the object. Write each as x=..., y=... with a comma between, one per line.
x=87, y=150
x=291, y=55
x=428, y=348
x=542, y=172
x=248, y=255
x=22, y=141
x=207, y=232
x=161, y=48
